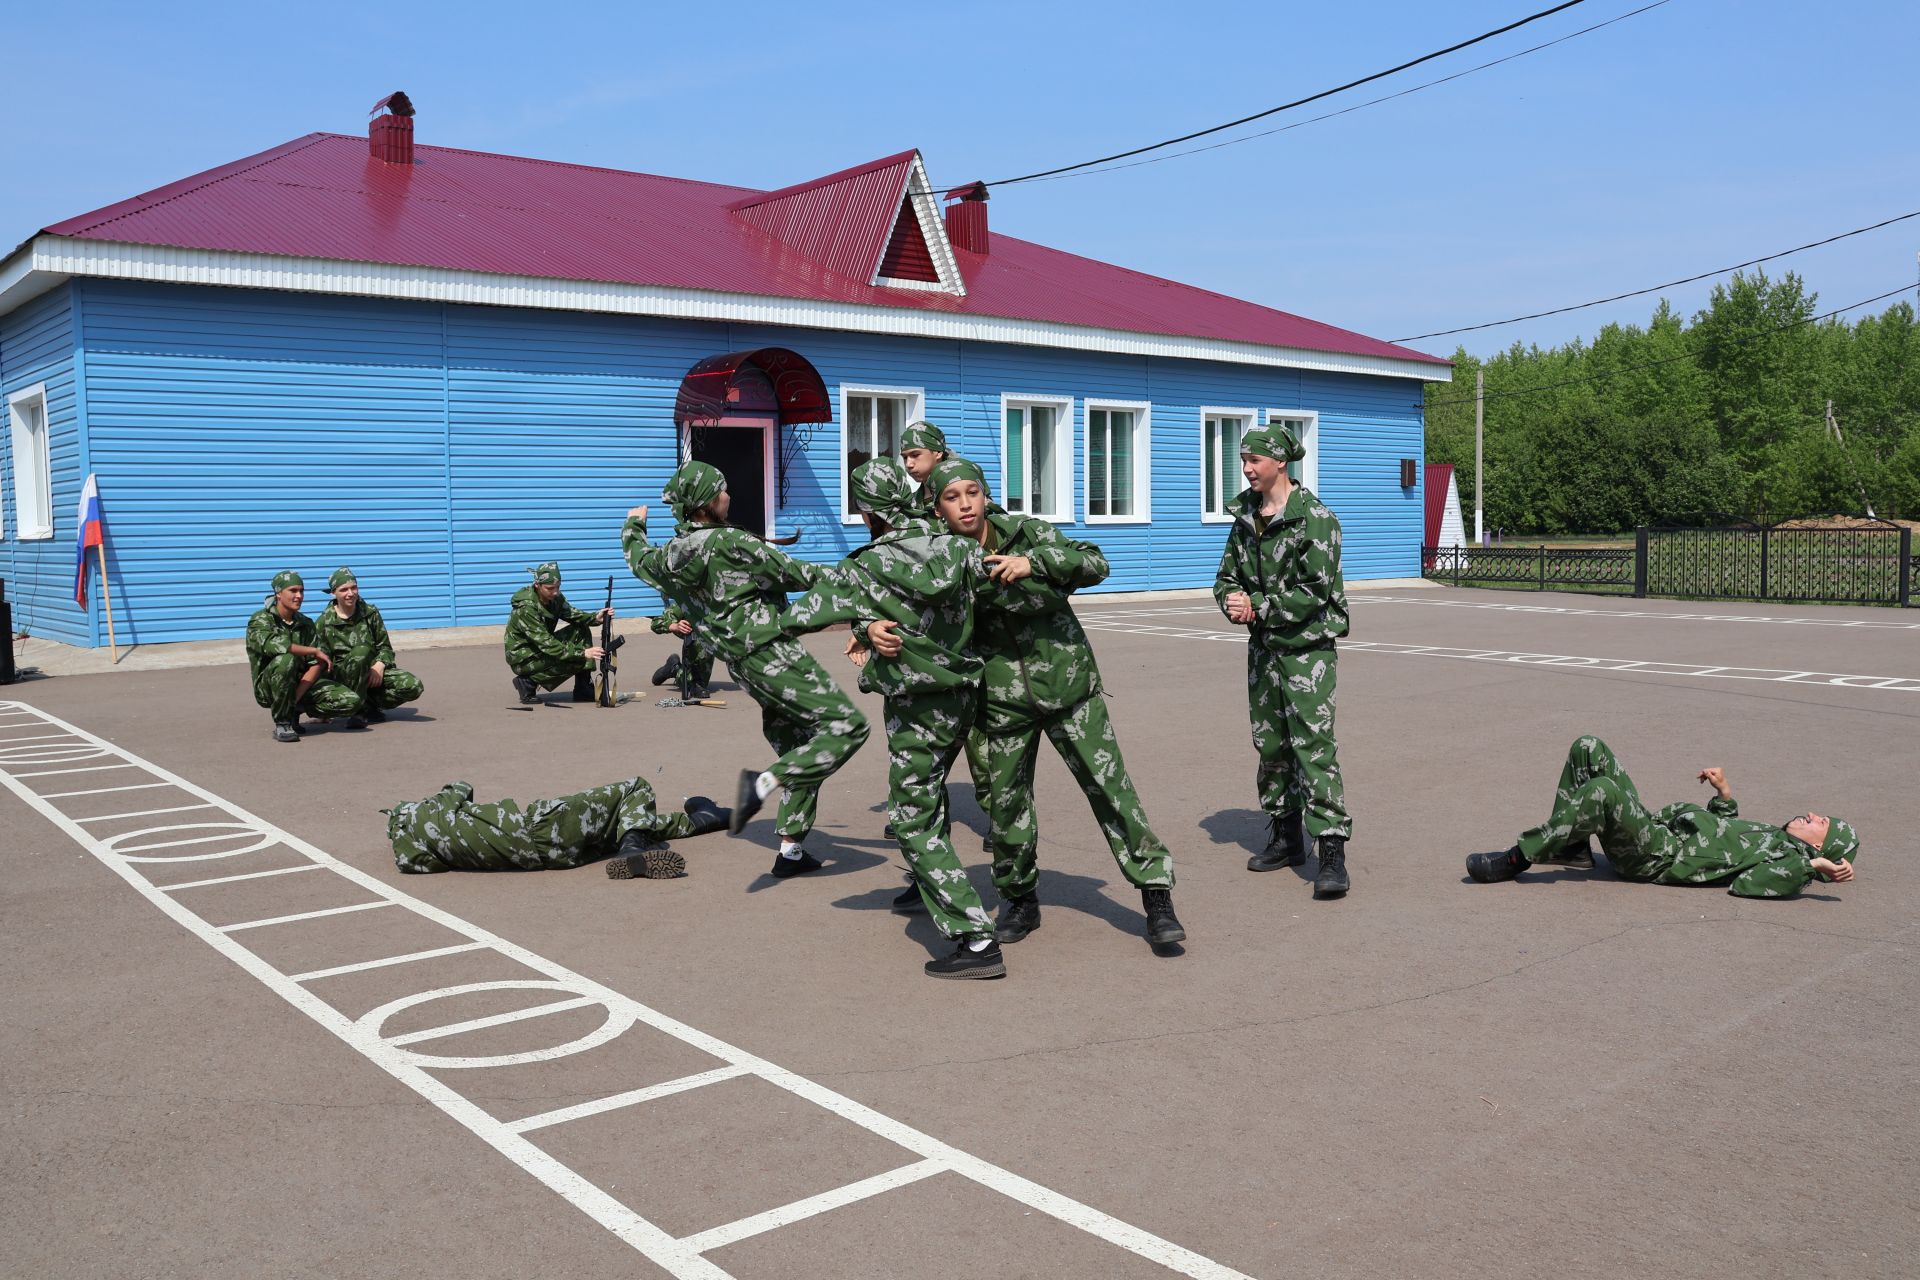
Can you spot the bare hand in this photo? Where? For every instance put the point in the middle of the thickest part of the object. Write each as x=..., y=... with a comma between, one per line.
x=883, y=637
x=1717, y=779
x=638, y=513
x=682, y=628
x=605, y=615
x=377, y=676
x=1240, y=608
x=858, y=655
x=596, y=653
x=325, y=660
x=1841, y=871
x=1005, y=569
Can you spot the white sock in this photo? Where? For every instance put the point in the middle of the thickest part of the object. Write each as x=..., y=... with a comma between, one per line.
x=979, y=944
x=764, y=785
x=791, y=849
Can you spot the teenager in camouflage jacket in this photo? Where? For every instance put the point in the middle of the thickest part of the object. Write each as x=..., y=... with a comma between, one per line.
x=548, y=641
x=732, y=586
x=697, y=661
x=1682, y=844
x=288, y=667
x=1039, y=679
x=909, y=595
x=361, y=652
x=1280, y=577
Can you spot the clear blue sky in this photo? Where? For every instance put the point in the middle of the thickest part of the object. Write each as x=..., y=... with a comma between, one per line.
x=1699, y=134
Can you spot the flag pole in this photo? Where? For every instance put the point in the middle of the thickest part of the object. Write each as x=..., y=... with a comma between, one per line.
x=106, y=599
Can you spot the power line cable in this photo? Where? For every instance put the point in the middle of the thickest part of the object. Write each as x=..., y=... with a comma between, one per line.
x=1299, y=102
x=1655, y=288
x=1690, y=355
x=1361, y=106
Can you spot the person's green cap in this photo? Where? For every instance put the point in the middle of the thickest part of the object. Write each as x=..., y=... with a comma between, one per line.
x=341, y=577
x=287, y=578
x=885, y=487
x=1842, y=843
x=693, y=486
x=546, y=575
x=1274, y=441
x=924, y=435
x=953, y=467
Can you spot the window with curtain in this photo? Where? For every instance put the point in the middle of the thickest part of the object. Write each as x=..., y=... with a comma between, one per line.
x=1116, y=462
x=32, y=466
x=1221, y=481
x=874, y=423
x=1036, y=458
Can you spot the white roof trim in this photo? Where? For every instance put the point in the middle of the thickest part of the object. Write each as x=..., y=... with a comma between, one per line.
x=933, y=229
x=47, y=259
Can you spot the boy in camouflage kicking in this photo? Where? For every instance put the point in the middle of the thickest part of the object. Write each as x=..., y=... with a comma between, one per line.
x=1680, y=844
x=449, y=832
x=548, y=640
x=1040, y=678
x=909, y=595
x=288, y=667
x=1280, y=577
x=354, y=635
x=732, y=587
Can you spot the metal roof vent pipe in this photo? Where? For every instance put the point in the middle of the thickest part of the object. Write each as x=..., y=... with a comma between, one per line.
x=967, y=217
x=390, y=136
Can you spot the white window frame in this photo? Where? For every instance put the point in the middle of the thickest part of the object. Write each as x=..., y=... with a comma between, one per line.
x=916, y=398
x=1228, y=492
x=32, y=464
x=1142, y=412
x=1308, y=468
x=1064, y=433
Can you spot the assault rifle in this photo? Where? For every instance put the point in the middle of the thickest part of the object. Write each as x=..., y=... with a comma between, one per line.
x=607, y=694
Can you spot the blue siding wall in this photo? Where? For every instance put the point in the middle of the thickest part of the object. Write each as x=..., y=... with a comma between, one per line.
x=37, y=345
x=440, y=450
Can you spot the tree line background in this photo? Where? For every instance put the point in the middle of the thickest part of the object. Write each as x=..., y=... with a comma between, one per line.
x=1687, y=423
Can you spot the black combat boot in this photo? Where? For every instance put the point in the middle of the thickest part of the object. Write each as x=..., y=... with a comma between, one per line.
x=1332, y=880
x=1286, y=844
x=909, y=902
x=1163, y=927
x=707, y=816
x=583, y=687
x=746, y=801
x=641, y=857
x=1019, y=916
x=356, y=721
x=967, y=963
x=525, y=689
x=1491, y=868
x=667, y=670
x=375, y=715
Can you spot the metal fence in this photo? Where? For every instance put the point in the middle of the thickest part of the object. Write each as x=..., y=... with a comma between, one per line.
x=1869, y=564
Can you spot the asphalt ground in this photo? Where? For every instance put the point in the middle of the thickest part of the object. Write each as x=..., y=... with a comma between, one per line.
x=1566, y=1075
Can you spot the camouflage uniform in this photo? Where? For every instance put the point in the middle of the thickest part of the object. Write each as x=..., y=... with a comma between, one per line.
x=733, y=588
x=355, y=645
x=449, y=832
x=1040, y=678
x=548, y=643
x=699, y=662
x=1289, y=567
x=922, y=578
x=276, y=670
x=1680, y=844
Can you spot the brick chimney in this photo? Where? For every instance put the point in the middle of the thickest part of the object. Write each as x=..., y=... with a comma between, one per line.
x=967, y=217
x=390, y=136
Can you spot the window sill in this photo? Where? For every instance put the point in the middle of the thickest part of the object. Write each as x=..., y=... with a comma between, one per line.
x=1145, y=517
x=35, y=535
x=1210, y=518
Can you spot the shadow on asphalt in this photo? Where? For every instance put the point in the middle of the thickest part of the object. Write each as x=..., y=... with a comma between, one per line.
x=1243, y=827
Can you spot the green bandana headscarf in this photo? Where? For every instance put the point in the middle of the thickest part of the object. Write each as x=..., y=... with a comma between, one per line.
x=547, y=574
x=341, y=577
x=924, y=435
x=954, y=468
x=1273, y=441
x=1842, y=843
x=287, y=578
x=693, y=486
x=885, y=487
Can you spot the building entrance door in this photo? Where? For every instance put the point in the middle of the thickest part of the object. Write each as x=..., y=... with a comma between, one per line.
x=740, y=446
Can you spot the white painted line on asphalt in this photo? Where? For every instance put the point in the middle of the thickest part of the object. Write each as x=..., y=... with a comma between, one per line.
x=99, y=791
x=303, y=915
x=411, y=1067
x=43, y=737
x=386, y=961
x=250, y=875
x=788, y=1214
x=142, y=813
x=631, y=1097
x=492, y=1020
x=92, y=768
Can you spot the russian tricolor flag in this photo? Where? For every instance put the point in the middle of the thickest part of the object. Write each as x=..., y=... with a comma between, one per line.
x=90, y=535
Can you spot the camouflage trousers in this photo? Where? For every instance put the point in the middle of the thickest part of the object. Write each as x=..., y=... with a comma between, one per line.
x=277, y=688
x=551, y=673
x=1597, y=798
x=804, y=716
x=396, y=686
x=924, y=736
x=449, y=832
x=1290, y=699
x=696, y=667
x=1083, y=735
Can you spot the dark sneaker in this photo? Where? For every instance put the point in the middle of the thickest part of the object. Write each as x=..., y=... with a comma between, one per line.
x=707, y=816
x=746, y=802
x=909, y=902
x=283, y=731
x=887, y=831
x=1332, y=880
x=643, y=858
x=525, y=689
x=356, y=722
x=1286, y=844
x=1018, y=917
x=1580, y=858
x=984, y=963
x=1163, y=927
x=376, y=716
x=1491, y=868
x=583, y=687
x=667, y=670
x=783, y=866
x=699, y=693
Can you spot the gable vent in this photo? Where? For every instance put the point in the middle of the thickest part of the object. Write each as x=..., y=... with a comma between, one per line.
x=907, y=256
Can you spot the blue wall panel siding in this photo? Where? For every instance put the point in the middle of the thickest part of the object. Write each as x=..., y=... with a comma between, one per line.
x=37, y=346
x=237, y=433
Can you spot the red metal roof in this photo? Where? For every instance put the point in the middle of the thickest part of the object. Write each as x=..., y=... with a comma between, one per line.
x=324, y=197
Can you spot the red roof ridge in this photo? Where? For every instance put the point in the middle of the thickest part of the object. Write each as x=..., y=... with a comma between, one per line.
x=554, y=164
x=871, y=166
x=184, y=186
